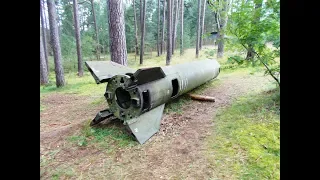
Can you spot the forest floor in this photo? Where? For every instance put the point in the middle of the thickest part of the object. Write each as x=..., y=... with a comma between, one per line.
x=197, y=140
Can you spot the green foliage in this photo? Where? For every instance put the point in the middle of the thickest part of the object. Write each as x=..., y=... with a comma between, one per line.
x=190, y=23
x=129, y=27
x=87, y=45
x=63, y=172
x=67, y=18
x=79, y=140
x=255, y=26
x=268, y=58
x=228, y=66
x=242, y=62
x=235, y=59
x=210, y=53
x=246, y=140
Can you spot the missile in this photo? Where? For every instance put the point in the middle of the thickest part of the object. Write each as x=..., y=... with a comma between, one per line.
x=138, y=97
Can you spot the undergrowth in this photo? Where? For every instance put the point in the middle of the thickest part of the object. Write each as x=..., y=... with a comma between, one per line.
x=246, y=139
x=106, y=137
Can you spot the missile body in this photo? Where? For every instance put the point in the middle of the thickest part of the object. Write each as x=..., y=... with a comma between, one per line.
x=138, y=97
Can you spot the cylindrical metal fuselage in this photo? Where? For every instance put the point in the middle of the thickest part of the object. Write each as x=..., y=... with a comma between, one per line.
x=128, y=103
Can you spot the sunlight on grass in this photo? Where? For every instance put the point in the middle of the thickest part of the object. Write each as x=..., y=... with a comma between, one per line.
x=75, y=85
x=246, y=139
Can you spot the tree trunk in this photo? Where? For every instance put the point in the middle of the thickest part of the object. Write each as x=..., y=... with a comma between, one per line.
x=163, y=26
x=223, y=24
x=55, y=41
x=103, y=48
x=141, y=12
x=169, y=31
x=177, y=22
x=172, y=18
x=174, y=26
x=43, y=66
x=118, y=46
x=77, y=35
x=198, y=29
x=202, y=23
x=44, y=34
x=158, y=33
x=96, y=30
x=250, y=52
x=135, y=29
x=220, y=45
x=143, y=28
x=46, y=25
x=47, y=34
x=181, y=29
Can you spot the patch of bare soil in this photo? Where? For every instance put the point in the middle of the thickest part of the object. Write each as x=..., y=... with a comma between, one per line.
x=64, y=113
x=177, y=151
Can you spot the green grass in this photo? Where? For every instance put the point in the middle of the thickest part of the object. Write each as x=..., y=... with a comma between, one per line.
x=99, y=100
x=62, y=171
x=42, y=107
x=175, y=106
x=106, y=137
x=74, y=85
x=245, y=143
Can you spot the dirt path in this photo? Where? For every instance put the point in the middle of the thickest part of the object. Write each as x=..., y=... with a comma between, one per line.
x=177, y=151
x=64, y=113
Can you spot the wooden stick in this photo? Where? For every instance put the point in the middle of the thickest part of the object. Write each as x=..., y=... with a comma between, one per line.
x=202, y=98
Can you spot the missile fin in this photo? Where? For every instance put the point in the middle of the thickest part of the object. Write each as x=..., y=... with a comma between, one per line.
x=147, y=124
x=102, y=71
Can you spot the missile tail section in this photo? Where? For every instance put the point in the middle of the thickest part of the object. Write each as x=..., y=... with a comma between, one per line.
x=138, y=97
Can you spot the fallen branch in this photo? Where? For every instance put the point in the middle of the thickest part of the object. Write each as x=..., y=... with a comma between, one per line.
x=202, y=98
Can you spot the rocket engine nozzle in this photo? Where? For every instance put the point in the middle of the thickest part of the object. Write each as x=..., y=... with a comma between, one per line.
x=138, y=97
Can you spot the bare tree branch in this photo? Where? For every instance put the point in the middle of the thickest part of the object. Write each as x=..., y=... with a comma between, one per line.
x=268, y=69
